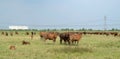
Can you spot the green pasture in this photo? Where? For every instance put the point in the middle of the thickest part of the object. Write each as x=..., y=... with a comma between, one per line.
x=90, y=47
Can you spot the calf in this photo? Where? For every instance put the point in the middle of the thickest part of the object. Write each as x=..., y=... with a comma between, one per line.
x=12, y=47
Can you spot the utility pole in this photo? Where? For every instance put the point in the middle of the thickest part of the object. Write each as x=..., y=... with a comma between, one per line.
x=105, y=25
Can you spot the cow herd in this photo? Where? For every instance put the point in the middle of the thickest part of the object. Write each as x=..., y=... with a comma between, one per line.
x=72, y=37
x=67, y=37
x=64, y=37
x=10, y=33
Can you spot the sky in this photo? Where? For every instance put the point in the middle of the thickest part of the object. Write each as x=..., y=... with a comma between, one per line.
x=60, y=13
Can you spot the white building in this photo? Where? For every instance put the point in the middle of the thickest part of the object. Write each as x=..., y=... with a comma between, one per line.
x=18, y=27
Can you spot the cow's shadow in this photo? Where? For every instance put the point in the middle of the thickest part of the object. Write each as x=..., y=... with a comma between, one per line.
x=72, y=49
x=49, y=43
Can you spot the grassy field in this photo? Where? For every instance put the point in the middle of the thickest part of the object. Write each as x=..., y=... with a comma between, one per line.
x=90, y=47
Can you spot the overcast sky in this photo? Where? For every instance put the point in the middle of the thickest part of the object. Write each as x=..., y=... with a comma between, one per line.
x=60, y=13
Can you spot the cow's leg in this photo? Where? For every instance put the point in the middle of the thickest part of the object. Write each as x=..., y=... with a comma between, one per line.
x=45, y=39
x=41, y=37
x=64, y=41
x=54, y=40
x=31, y=36
x=77, y=42
x=68, y=42
x=60, y=41
x=72, y=42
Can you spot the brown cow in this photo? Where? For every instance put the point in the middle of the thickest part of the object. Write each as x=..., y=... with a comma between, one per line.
x=42, y=34
x=49, y=35
x=12, y=47
x=75, y=37
x=16, y=33
x=2, y=33
x=114, y=33
x=25, y=42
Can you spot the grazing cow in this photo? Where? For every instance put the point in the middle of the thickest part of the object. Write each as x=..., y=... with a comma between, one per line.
x=32, y=35
x=115, y=34
x=84, y=33
x=27, y=33
x=2, y=33
x=75, y=37
x=49, y=35
x=16, y=33
x=65, y=37
x=42, y=34
x=6, y=33
x=12, y=47
x=105, y=33
x=25, y=42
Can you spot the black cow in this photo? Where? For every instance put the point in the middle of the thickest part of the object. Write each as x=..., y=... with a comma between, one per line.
x=65, y=37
